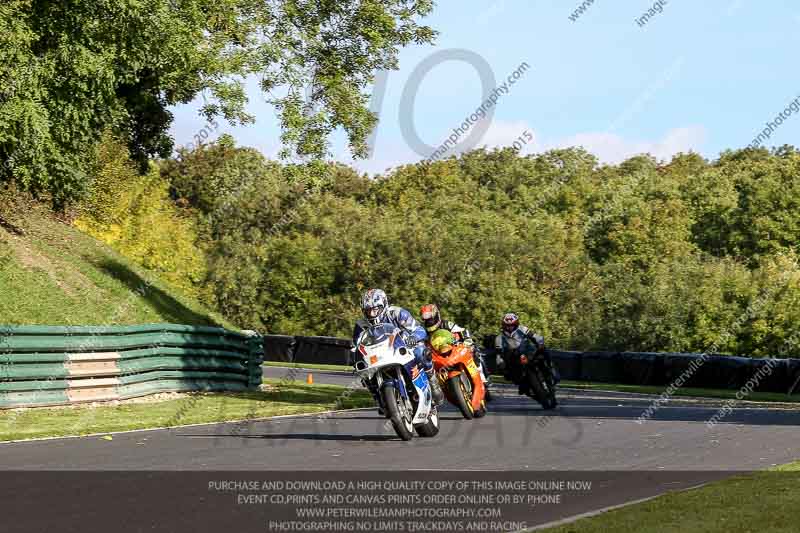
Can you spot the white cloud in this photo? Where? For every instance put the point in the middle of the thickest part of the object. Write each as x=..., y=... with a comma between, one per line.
x=501, y=134
x=612, y=148
x=608, y=147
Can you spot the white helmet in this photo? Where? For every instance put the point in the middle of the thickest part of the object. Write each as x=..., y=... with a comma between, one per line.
x=373, y=305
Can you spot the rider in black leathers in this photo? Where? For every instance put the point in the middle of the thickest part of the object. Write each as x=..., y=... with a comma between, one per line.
x=508, y=343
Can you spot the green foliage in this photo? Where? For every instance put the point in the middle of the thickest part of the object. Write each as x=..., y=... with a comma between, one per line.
x=72, y=69
x=638, y=256
x=136, y=216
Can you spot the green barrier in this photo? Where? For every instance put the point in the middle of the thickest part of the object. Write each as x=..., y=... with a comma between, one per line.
x=34, y=398
x=181, y=374
x=119, y=330
x=178, y=385
x=111, y=343
x=52, y=365
x=183, y=352
x=33, y=371
x=178, y=363
x=33, y=386
x=11, y=358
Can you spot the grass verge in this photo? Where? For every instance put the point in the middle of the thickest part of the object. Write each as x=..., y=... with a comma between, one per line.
x=285, y=399
x=765, y=502
x=340, y=368
x=683, y=392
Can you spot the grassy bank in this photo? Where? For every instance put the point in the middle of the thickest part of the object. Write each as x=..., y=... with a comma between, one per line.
x=765, y=502
x=283, y=399
x=51, y=273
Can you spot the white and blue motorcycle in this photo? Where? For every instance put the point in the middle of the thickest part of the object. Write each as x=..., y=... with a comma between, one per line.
x=387, y=365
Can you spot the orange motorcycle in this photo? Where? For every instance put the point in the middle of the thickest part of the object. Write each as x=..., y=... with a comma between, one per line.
x=458, y=374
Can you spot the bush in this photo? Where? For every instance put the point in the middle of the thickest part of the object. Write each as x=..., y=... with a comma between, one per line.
x=136, y=216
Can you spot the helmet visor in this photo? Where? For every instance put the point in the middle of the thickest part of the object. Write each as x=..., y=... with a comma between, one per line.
x=431, y=323
x=374, y=312
x=430, y=318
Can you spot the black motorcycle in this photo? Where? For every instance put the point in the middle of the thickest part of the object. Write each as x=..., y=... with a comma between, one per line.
x=527, y=367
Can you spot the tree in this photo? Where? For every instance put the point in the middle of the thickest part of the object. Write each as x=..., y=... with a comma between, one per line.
x=71, y=69
x=636, y=256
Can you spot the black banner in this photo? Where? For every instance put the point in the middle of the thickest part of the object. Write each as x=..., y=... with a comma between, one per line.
x=330, y=501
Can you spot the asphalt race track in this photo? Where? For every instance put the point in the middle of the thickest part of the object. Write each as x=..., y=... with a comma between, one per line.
x=590, y=431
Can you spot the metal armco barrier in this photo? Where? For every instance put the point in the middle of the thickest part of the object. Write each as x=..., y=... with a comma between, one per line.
x=628, y=368
x=54, y=365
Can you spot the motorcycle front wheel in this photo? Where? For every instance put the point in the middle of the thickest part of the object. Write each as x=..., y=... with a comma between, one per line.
x=397, y=412
x=461, y=395
x=431, y=427
x=544, y=393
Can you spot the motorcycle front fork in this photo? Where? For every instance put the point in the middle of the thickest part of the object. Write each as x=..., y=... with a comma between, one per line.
x=374, y=387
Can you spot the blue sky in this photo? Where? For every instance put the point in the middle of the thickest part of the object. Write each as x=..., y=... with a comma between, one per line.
x=701, y=76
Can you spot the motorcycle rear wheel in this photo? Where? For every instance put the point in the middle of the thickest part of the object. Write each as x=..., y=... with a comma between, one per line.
x=398, y=414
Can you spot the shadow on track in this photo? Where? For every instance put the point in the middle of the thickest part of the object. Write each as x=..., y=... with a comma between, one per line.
x=321, y=436
x=296, y=436
x=592, y=405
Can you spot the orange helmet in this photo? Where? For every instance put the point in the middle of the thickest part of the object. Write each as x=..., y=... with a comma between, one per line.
x=431, y=318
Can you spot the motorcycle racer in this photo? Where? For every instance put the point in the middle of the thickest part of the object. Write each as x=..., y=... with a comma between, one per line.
x=507, y=344
x=432, y=320
x=376, y=310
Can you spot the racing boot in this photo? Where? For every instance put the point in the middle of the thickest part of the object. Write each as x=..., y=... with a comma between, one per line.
x=479, y=363
x=436, y=391
x=486, y=382
x=487, y=385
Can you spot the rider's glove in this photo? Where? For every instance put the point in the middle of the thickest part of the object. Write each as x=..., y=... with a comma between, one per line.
x=408, y=338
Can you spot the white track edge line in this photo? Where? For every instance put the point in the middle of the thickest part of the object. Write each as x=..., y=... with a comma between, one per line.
x=161, y=428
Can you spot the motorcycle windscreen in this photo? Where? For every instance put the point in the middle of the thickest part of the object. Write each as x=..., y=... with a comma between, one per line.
x=377, y=341
x=378, y=334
